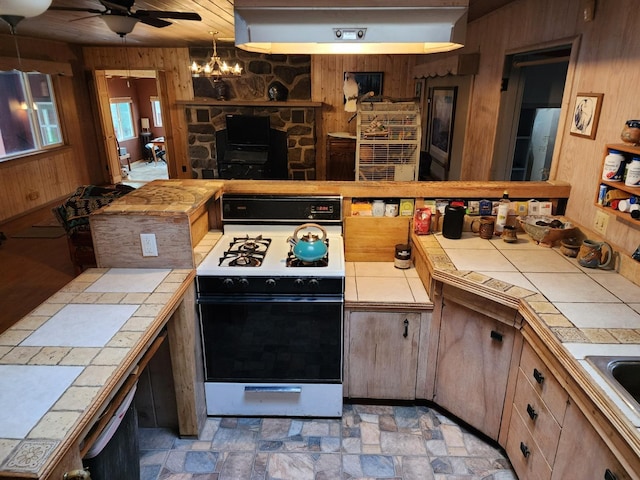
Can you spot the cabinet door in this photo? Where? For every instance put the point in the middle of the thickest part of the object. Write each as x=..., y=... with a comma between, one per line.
x=383, y=354
x=474, y=358
x=582, y=453
x=341, y=159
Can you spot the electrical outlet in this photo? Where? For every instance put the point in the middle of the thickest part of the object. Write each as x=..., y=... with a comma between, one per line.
x=149, y=245
x=600, y=223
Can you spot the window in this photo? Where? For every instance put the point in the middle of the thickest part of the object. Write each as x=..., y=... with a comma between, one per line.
x=122, y=116
x=29, y=119
x=157, y=113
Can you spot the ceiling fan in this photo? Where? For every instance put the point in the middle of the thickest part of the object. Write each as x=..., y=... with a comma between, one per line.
x=120, y=18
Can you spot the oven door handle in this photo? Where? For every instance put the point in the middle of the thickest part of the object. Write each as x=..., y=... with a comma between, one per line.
x=273, y=389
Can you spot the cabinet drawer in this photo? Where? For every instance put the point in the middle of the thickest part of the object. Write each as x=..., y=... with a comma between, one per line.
x=537, y=418
x=523, y=452
x=544, y=383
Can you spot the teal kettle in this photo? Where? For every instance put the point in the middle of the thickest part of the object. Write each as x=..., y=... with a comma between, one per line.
x=309, y=247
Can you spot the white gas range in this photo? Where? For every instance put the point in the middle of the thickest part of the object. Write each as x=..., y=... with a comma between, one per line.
x=271, y=324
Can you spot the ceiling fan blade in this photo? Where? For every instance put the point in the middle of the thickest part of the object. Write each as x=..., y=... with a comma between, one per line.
x=75, y=9
x=154, y=22
x=167, y=14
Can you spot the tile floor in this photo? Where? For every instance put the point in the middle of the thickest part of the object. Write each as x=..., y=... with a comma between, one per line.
x=369, y=442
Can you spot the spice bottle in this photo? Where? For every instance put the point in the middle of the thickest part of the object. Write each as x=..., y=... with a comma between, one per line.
x=503, y=213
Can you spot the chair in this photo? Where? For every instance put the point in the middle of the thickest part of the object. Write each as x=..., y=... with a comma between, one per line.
x=155, y=152
x=73, y=215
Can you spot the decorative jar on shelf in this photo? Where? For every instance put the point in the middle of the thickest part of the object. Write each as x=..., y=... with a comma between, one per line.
x=631, y=132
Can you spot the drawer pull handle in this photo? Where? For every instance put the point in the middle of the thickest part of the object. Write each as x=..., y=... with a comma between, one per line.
x=538, y=376
x=531, y=412
x=272, y=389
x=496, y=335
x=406, y=328
x=609, y=475
x=525, y=450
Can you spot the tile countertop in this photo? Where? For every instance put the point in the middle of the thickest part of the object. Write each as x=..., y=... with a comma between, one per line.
x=589, y=311
x=60, y=362
x=380, y=284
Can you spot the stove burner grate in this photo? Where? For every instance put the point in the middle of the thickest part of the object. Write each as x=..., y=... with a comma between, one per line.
x=245, y=251
x=245, y=261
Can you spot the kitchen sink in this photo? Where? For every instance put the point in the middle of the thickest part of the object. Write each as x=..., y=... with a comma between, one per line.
x=623, y=374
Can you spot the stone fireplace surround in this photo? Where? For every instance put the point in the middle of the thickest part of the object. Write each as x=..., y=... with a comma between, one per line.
x=248, y=95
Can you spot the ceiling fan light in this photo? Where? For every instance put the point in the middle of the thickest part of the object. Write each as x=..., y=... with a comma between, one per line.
x=120, y=24
x=24, y=8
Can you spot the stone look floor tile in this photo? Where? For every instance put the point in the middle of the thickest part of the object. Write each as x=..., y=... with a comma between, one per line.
x=370, y=442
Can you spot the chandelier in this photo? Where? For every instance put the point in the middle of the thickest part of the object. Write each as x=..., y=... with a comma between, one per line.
x=215, y=67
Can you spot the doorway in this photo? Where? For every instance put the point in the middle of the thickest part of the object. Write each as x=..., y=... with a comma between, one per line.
x=131, y=105
x=530, y=111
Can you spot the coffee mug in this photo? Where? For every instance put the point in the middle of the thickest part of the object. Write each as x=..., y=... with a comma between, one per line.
x=591, y=254
x=485, y=227
x=391, y=210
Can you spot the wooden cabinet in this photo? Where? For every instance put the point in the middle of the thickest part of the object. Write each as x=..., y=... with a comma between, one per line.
x=538, y=413
x=582, y=453
x=341, y=158
x=474, y=358
x=381, y=353
x=618, y=190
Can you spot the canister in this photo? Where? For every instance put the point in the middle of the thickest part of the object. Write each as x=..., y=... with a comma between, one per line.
x=614, y=165
x=453, y=221
x=633, y=175
x=402, y=257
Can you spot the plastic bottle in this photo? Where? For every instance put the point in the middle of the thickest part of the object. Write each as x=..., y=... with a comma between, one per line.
x=503, y=213
x=613, y=166
x=633, y=175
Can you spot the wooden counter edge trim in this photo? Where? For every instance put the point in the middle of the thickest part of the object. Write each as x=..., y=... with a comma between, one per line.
x=386, y=306
x=432, y=189
x=116, y=380
x=588, y=397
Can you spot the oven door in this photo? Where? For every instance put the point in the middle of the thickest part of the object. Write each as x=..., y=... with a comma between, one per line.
x=267, y=338
x=272, y=354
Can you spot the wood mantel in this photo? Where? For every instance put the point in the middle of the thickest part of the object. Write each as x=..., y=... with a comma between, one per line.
x=249, y=103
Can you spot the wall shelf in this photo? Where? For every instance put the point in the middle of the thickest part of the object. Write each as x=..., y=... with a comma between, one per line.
x=628, y=151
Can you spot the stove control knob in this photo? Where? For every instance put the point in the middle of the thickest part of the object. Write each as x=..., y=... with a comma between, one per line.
x=227, y=282
x=299, y=282
x=270, y=282
x=313, y=283
x=244, y=283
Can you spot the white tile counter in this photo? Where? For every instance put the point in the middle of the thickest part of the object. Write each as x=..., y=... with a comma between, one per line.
x=589, y=311
x=381, y=284
x=61, y=363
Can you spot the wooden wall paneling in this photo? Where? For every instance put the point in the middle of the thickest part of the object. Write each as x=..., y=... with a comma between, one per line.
x=326, y=87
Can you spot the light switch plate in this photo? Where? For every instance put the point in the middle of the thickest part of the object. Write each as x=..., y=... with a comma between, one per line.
x=149, y=245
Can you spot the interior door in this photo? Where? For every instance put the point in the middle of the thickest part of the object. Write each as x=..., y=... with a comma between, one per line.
x=109, y=141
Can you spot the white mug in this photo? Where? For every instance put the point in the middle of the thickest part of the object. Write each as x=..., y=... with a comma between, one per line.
x=391, y=210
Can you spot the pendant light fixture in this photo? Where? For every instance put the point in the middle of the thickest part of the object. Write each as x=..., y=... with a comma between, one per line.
x=215, y=67
x=13, y=11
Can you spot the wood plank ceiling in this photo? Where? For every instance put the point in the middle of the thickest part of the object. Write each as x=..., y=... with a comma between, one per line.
x=217, y=15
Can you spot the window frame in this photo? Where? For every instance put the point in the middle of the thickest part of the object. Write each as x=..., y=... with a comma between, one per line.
x=156, y=111
x=36, y=120
x=118, y=127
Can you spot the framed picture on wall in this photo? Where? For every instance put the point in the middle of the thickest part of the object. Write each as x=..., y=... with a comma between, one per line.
x=586, y=113
x=442, y=113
